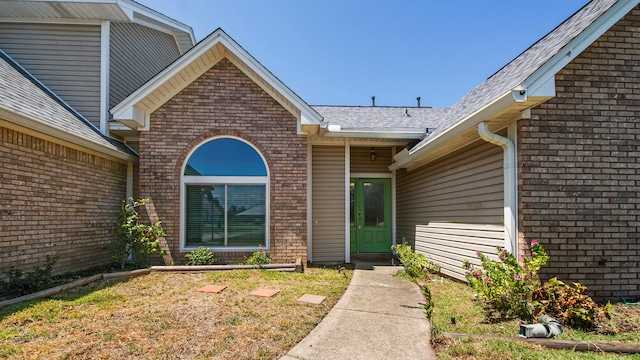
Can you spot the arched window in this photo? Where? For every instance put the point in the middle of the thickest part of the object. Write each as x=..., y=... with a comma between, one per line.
x=224, y=197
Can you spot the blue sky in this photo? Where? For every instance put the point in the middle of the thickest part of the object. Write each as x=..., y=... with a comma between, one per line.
x=341, y=52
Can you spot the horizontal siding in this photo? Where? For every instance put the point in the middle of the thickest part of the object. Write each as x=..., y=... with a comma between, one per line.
x=464, y=188
x=328, y=203
x=361, y=160
x=64, y=57
x=137, y=54
x=450, y=244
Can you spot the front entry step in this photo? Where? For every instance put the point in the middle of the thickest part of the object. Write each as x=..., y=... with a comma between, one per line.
x=372, y=256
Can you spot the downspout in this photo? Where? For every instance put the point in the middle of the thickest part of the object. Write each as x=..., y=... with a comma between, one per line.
x=510, y=201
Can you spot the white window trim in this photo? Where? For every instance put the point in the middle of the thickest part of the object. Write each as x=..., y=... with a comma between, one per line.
x=224, y=180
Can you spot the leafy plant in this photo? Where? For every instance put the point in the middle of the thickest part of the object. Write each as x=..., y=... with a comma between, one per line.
x=507, y=284
x=21, y=283
x=416, y=265
x=136, y=240
x=258, y=258
x=201, y=256
x=427, y=306
x=569, y=305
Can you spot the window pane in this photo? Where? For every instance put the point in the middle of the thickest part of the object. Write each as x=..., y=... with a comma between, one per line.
x=352, y=204
x=246, y=215
x=205, y=215
x=225, y=157
x=374, y=204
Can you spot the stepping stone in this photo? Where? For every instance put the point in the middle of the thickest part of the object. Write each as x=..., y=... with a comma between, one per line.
x=312, y=299
x=264, y=292
x=212, y=288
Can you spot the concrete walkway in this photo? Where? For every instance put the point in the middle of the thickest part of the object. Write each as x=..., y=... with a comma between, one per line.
x=378, y=317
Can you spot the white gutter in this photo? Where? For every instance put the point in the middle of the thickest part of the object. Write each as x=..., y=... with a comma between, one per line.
x=405, y=159
x=510, y=199
x=32, y=123
x=336, y=131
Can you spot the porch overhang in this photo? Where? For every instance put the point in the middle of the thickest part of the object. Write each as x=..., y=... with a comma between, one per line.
x=497, y=114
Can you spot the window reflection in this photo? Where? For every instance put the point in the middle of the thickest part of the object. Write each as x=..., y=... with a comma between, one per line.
x=226, y=196
x=373, y=204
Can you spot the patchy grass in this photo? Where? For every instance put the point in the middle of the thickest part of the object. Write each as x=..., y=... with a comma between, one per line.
x=162, y=316
x=456, y=300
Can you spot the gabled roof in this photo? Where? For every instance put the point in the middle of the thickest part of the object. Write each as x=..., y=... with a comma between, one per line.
x=523, y=83
x=27, y=102
x=134, y=110
x=379, y=121
x=97, y=10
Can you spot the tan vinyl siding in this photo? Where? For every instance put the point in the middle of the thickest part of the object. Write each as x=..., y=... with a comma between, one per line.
x=64, y=57
x=465, y=187
x=328, y=197
x=450, y=244
x=361, y=160
x=137, y=54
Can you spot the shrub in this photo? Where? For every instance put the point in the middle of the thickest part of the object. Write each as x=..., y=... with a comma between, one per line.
x=37, y=279
x=201, y=256
x=569, y=305
x=258, y=258
x=416, y=265
x=136, y=240
x=506, y=284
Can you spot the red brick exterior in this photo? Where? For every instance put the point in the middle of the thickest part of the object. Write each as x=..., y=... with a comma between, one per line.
x=58, y=201
x=224, y=101
x=579, y=176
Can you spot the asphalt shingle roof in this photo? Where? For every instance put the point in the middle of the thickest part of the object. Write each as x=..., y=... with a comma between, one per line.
x=23, y=94
x=523, y=66
x=496, y=86
x=382, y=117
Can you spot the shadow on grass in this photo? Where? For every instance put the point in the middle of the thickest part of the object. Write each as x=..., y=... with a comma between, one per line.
x=68, y=296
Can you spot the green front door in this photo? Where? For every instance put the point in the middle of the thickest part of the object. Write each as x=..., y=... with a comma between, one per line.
x=370, y=215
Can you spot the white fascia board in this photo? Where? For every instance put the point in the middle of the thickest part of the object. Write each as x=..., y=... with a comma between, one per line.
x=129, y=110
x=441, y=139
x=311, y=116
x=52, y=21
x=125, y=111
x=29, y=122
x=537, y=83
x=132, y=116
x=160, y=22
x=374, y=134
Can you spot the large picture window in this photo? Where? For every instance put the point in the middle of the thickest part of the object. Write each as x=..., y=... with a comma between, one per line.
x=225, y=197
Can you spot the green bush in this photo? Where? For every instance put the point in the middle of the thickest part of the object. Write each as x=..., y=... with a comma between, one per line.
x=258, y=258
x=201, y=256
x=506, y=284
x=416, y=265
x=569, y=305
x=21, y=283
x=136, y=240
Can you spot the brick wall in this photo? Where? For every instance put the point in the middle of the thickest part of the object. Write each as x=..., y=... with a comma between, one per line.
x=579, y=177
x=224, y=101
x=55, y=200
